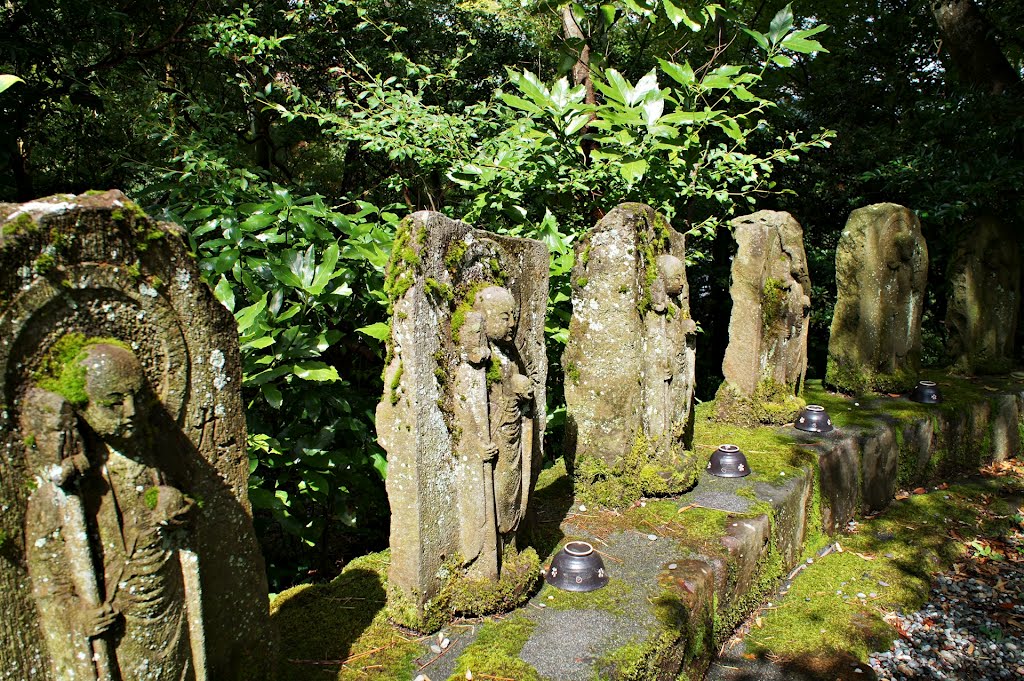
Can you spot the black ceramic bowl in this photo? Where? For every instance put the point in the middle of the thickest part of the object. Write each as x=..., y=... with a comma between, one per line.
x=577, y=567
x=926, y=392
x=814, y=419
x=728, y=462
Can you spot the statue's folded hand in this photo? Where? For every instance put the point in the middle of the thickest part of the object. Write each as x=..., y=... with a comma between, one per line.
x=97, y=621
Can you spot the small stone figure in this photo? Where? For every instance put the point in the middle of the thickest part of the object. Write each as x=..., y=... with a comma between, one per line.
x=496, y=428
x=629, y=361
x=116, y=601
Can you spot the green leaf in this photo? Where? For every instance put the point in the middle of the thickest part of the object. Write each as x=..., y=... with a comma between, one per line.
x=200, y=213
x=257, y=222
x=608, y=14
x=681, y=73
x=380, y=464
x=760, y=38
x=225, y=294
x=802, y=45
x=272, y=395
x=316, y=371
x=781, y=24
x=782, y=60
x=7, y=80
x=678, y=15
x=380, y=331
x=520, y=103
x=247, y=315
x=633, y=171
x=325, y=271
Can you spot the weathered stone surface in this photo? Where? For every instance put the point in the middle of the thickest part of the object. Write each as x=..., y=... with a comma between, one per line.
x=766, y=359
x=462, y=416
x=984, y=300
x=879, y=459
x=629, y=361
x=128, y=550
x=881, y=272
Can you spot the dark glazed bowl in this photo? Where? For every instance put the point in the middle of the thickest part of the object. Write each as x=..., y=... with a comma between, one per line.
x=728, y=462
x=814, y=419
x=577, y=567
x=926, y=392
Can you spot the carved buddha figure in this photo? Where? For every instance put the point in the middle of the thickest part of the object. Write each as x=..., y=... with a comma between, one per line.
x=103, y=528
x=492, y=394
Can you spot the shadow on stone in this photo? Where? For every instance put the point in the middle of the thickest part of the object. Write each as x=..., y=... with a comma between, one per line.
x=552, y=500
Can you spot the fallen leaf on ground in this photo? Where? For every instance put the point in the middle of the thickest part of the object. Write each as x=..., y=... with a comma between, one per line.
x=865, y=556
x=920, y=490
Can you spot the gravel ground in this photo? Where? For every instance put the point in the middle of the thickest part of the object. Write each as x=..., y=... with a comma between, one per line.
x=971, y=628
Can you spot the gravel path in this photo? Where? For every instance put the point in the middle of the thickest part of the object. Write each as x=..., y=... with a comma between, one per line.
x=971, y=628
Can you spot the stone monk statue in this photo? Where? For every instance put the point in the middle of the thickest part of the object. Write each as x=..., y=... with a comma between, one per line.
x=492, y=395
x=107, y=531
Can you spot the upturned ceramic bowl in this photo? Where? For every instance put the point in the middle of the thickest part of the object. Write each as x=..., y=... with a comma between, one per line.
x=926, y=392
x=728, y=462
x=813, y=419
x=577, y=567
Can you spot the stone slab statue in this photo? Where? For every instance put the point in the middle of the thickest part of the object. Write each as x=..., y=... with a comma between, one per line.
x=462, y=417
x=629, y=361
x=881, y=273
x=984, y=298
x=127, y=551
x=766, y=360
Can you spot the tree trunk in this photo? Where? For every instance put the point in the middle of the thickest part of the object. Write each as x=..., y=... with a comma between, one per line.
x=968, y=36
x=581, y=70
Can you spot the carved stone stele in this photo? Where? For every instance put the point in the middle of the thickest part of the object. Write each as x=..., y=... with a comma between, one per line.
x=126, y=543
x=984, y=298
x=629, y=360
x=881, y=273
x=766, y=359
x=462, y=417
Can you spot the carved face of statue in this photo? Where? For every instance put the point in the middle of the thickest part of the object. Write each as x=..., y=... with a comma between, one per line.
x=498, y=308
x=113, y=377
x=672, y=272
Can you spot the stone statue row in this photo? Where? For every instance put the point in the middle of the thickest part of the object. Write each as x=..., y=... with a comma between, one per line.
x=127, y=551
x=462, y=417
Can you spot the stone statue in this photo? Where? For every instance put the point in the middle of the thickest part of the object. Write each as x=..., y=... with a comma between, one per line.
x=496, y=430
x=127, y=550
x=881, y=273
x=984, y=300
x=118, y=600
x=462, y=417
x=629, y=361
x=766, y=360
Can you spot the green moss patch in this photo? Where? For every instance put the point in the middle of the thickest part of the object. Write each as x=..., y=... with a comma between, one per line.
x=339, y=630
x=774, y=457
x=463, y=595
x=495, y=652
x=771, y=404
x=890, y=560
x=61, y=371
x=643, y=471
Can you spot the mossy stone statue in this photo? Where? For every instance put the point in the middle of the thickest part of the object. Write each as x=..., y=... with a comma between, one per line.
x=462, y=418
x=130, y=552
x=766, y=360
x=881, y=273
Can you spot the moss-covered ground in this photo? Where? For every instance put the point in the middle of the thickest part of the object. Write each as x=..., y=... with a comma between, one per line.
x=339, y=630
x=838, y=604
